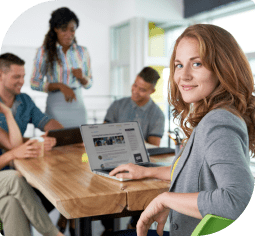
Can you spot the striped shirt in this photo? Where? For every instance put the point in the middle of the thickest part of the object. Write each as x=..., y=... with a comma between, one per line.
x=75, y=57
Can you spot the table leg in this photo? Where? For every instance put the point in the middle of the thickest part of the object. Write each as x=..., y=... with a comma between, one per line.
x=83, y=227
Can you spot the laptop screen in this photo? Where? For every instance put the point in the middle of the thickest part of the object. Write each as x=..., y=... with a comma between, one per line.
x=112, y=144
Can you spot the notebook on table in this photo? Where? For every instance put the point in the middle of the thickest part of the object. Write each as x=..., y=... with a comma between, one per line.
x=66, y=136
x=160, y=150
x=154, y=150
x=112, y=144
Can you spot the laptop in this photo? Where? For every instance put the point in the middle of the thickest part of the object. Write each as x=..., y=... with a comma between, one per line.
x=66, y=136
x=112, y=144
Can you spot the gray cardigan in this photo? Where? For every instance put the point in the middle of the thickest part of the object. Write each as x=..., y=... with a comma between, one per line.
x=215, y=163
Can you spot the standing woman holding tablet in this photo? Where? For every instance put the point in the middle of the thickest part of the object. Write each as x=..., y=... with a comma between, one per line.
x=66, y=66
x=211, y=86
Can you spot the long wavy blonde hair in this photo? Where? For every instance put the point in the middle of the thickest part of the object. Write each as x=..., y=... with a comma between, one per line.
x=221, y=54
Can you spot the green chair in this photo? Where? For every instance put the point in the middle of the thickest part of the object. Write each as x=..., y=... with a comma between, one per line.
x=211, y=224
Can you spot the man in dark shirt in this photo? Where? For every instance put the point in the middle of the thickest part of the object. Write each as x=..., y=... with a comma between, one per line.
x=141, y=108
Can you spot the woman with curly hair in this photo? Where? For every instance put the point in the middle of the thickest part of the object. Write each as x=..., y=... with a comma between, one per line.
x=66, y=66
x=211, y=86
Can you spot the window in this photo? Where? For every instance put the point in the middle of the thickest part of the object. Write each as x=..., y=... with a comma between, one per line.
x=120, y=60
x=239, y=25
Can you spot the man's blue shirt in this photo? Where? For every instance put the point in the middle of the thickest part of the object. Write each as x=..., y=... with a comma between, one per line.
x=25, y=111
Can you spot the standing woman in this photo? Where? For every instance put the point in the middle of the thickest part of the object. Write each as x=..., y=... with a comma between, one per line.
x=66, y=66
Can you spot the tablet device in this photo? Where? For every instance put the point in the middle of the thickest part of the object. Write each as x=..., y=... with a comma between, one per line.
x=66, y=136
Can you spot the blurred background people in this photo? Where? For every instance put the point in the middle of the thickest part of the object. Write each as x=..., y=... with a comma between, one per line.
x=23, y=110
x=19, y=205
x=66, y=66
x=139, y=107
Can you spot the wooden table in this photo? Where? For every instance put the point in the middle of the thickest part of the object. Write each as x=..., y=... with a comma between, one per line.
x=76, y=192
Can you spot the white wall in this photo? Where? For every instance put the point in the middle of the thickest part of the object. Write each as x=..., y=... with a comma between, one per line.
x=121, y=10
x=160, y=10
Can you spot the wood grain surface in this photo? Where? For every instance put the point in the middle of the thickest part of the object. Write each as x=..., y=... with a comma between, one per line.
x=76, y=192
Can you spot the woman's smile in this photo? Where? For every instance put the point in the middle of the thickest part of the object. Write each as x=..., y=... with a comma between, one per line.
x=188, y=87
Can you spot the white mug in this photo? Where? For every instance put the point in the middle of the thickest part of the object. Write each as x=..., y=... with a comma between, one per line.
x=41, y=144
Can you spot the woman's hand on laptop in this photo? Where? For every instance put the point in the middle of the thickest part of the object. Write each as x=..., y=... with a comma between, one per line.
x=129, y=171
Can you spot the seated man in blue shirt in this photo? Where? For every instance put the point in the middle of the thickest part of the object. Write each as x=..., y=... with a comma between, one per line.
x=24, y=110
x=18, y=203
x=139, y=107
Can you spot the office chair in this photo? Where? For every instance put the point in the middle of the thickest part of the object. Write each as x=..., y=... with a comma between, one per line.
x=211, y=224
x=208, y=225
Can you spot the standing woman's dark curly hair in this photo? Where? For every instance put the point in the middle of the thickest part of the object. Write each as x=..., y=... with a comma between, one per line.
x=59, y=19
